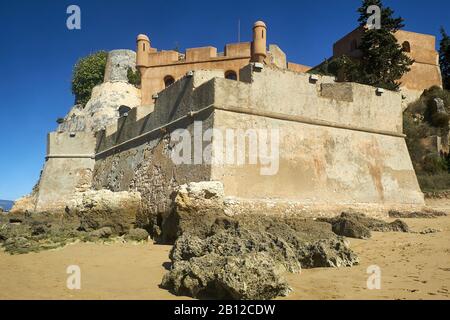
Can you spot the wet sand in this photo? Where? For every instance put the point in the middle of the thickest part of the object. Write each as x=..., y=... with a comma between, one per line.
x=413, y=266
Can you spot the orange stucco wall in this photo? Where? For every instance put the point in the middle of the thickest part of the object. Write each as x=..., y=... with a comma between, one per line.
x=153, y=76
x=425, y=72
x=158, y=65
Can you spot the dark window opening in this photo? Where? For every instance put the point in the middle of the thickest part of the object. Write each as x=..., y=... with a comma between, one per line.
x=168, y=81
x=231, y=75
x=123, y=111
x=406, y=46
x=144, y=46
x=353, y=45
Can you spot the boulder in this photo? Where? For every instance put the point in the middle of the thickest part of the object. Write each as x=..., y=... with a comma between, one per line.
x=24, y=204
x=196, y=207
x=396, y=226
x=137, y=235
x=358, y=225
x=350, y=228
x=426, y=214
x=234, y=243
x=102, y=233
x=223, y=264
x=249, y=276
x=104, y=208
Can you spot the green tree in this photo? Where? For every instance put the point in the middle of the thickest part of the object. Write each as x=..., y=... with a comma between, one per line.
x=383, y=60
x=88, y=72
x=444, y=59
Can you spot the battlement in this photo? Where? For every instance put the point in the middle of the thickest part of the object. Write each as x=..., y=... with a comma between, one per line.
x=160, y=69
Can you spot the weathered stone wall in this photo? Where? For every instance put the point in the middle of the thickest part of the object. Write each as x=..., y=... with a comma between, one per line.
x=68, y=169
x=118, y=63
x=145, y=165
x=322, y=169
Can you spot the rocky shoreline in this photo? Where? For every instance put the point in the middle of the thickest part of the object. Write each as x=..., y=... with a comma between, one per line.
x=214, y=255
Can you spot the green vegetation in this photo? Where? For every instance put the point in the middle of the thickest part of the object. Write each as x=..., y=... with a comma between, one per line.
x=88, y=73
x=134, y=77
x=383, y=61
x=444, y=58
x=421, y=120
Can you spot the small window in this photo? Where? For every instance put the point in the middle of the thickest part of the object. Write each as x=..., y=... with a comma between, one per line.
x=406, y=46
x=353, y=45
x=168, y=81
x=123, y=111
x=144, y=47
x=231, y=75
x=263, y=34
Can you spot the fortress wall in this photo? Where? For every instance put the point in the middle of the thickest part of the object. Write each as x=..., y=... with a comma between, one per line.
x=186, y=95
x=118, y=63
x=430, y=75
x=68, y=169
x=294, y=94
x=341, y=145
x=322, y=167
x=146, y=166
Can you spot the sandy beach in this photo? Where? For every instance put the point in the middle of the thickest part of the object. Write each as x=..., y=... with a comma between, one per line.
x=413, y=266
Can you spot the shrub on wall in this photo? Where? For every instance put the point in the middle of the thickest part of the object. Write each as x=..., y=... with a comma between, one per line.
x=134, y=77
x=88, y=73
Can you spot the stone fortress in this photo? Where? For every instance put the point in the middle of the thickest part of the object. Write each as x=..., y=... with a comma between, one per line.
x=341, y=145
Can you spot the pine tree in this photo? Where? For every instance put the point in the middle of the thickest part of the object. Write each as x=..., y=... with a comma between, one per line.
x=444, y=59
x=383, y=61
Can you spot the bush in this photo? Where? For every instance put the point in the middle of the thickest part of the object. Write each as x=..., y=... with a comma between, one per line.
x=88, y=73
x=436, y=182
x=434, y=164
x=415, y=130
x=436, y=118
x=437, y=92
x=134, y=77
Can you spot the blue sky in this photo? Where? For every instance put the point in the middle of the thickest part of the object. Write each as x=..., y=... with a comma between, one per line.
x=38, y=52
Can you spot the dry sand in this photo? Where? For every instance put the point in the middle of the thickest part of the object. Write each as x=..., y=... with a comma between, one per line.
x=413, y=266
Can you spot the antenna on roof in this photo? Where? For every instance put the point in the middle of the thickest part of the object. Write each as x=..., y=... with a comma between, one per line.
x=239, y=31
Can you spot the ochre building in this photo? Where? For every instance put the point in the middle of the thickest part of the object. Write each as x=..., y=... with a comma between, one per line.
x=160, y=69
x=425, y=72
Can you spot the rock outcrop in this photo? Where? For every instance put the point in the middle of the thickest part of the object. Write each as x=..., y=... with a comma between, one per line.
x=277, y=244
x=426, y=214
x=103, y=107
x=249, y=276
x=104, y=208
x=196, y=207
x=137, y=235
x=25, y=204
x=357, y=225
